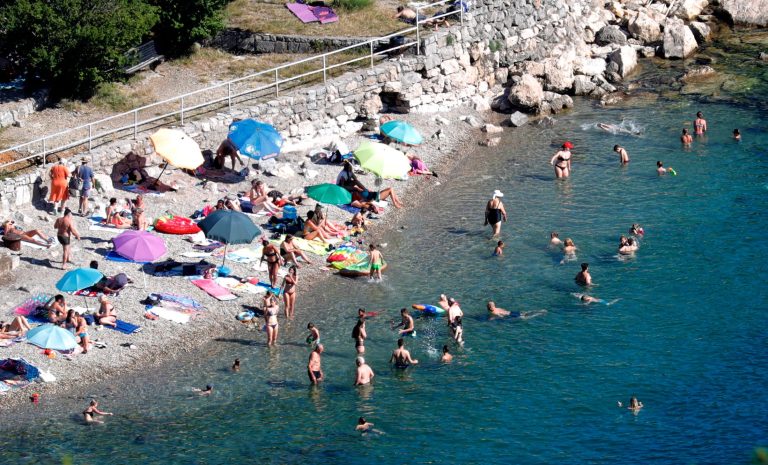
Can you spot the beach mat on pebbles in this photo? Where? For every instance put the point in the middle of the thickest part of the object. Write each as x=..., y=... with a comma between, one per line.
x=213, y=289
x=241, y=288
x=171, y=315
x=125, y=327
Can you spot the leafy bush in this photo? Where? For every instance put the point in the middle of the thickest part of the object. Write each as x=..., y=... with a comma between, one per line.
x=351, y=5
x=182, y=23
x=73, y=45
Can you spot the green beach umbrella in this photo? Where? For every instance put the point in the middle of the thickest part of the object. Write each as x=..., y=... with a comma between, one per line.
x=330, y=194
x=382, y=160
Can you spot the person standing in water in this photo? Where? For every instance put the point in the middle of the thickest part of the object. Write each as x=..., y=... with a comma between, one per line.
x=495, y=212
x=554, y=239
x=314, y=334
x=377, y=261
x=736, y=134
x=562, y=161
x=364, y=372
x=447, y=357
x=699, y=124
x=359, y=335
x=623, y=155
x=583, y=277
x=314, y=367
x=686, y=138
x=401, y=357
x=409, y=328
x=499, y=250
x=89, y=414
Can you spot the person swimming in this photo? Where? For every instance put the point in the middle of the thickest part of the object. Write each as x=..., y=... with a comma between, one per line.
x=236, y=365
x=554, y=239
x=736, y=134
x=447, y=357
x=588, y=299
x=636, y=230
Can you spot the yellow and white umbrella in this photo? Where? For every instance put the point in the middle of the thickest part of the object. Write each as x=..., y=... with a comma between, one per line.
x=177, y=148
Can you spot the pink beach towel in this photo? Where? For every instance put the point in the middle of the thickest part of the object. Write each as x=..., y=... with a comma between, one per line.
x=324, y=14
x=214, y=290
x=303, y=12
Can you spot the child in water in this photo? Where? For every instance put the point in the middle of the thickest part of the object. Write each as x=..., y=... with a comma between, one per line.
x=314, y=335
x=377, y=260
x=499, y=250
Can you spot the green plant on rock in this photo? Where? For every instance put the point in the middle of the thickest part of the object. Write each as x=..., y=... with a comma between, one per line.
x=494, y=46
x=450, y=39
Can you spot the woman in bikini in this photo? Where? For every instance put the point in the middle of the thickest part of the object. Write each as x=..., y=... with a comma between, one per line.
x=107, y=315
x=312, y=230
x=57, y=310
x=9, y=228
x=328, y=226
x=289, y=292
x=257, y=194
x=114, y=216
x=359, y=335
x=93, y=410
x=562, y=161
x=271, y=253
x=495, y=212
x=289, y=252
x=271, y=308
x=17, y=327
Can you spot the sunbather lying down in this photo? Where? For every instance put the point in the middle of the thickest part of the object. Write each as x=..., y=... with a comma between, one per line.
x=17, y=327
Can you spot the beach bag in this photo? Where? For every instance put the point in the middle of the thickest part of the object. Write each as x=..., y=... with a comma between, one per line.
x=75, y=184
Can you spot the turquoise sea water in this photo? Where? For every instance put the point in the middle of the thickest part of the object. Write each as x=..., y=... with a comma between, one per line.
x=687, y=337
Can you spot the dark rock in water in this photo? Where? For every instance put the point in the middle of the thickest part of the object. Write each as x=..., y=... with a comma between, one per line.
x=611, y=35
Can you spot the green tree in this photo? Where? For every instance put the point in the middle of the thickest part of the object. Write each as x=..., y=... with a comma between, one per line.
x=73, y=45
x=182, y=23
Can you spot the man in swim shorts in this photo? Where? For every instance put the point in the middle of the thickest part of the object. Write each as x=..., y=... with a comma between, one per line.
x=623, y=155
x=314, y=367
x=377, y=261
x=583, y=277
x=401, y=357
x=364, y=373
x=65, y=229
x=407, y=323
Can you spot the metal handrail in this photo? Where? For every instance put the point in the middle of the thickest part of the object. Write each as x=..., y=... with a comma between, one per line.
x=134, y=113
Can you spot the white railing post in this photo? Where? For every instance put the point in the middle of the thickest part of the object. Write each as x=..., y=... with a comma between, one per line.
x=135, y=124
x=45, y=159
x=371, y=43
x=461, y=14
x=277, y=83
x=418, y=36
x=182, y=111
x=90, y=137
x=325, y=69
x=229, y=96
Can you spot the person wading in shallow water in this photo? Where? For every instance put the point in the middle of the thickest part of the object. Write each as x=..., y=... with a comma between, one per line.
x=314, y=367
x=495, y=212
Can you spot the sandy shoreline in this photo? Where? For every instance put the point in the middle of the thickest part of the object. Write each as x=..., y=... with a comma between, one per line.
x=162, y=340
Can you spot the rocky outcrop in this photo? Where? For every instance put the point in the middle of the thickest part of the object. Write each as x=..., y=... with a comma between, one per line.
x=746, y=12
x=611, y=35
x=527, y=93
x=679, y=41
x=688, y=9
x=645, y=28
x=701, y=31
x=623, y=61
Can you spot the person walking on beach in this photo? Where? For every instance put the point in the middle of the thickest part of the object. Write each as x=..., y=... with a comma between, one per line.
x=271, y=253
x=314, y=367
x=409, y=328
x=686, y=138
x=65, y=229
x=359, y=335
x=289, y=292
x=377, y=261
x=59, y=185
x=89, y=414
x=85, y=174
x=401, y=357
x=583, y=277
x=699, y=124
x=623, y=155
x=561, y=160
x=495, y=212
x=364, y=373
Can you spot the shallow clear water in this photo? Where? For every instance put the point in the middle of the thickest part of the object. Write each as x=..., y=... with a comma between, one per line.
x=687, y=337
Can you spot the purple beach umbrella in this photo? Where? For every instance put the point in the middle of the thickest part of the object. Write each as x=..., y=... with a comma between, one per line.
x=139, y=246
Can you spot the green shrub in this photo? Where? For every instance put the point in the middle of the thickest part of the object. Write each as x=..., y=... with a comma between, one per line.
x=184, y=22
x=494, y=46
x=352, y=5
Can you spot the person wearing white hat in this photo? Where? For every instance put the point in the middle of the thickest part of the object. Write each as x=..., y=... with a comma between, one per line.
x=495, y=213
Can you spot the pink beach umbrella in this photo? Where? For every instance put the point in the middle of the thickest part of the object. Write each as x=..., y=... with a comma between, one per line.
x=139, y=246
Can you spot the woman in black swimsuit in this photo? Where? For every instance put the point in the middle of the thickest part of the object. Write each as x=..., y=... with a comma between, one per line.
x=271, y=253
x=495, y=212
x=289, y=292
x=562, y=161
x=359, y=335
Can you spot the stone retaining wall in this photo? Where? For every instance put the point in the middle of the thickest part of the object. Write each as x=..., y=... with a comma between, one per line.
x=241, y=41
x=16, y=106
x=508, y=55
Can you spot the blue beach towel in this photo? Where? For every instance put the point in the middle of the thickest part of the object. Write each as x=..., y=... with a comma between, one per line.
x=125, y=327
x=349, y=209
x=116, y=257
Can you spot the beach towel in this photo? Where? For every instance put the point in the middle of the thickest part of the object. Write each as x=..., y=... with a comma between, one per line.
x=303, y=12
x=125, y=327
x=196, y=254
x=316, y=247
x=236, y=286
x=209, y=246
x=139, y=189
x=172, y=315
x=349, y=209
x=245, y=255
x=267, y=287
x=281, y=272
x=324, y=14
x=105, y=228
x=213, y=289
x=33, y=246
x=178, y=300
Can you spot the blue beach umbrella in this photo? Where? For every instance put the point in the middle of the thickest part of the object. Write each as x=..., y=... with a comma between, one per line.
x=402, y=132
x=255, y=139
x=50, y=336
x=77, y=279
